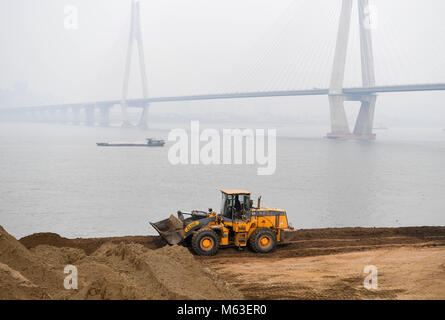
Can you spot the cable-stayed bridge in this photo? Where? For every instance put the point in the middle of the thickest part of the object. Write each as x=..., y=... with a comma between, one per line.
x=366, y=94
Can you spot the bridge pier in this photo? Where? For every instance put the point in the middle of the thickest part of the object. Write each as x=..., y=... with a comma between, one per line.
x=52, y=115
x=105, y=116
x=47, y=115
x=36, y=116
x=75, y=116
x=62, y=115
x=17, y=116
x=339, y=122
x=365, y=119
x=26, y=116
x=143, y=121
x=42, y=115
x=126, y=123
x=89, y=115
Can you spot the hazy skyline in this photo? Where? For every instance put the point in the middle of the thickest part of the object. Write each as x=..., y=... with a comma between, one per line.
x=198, y=46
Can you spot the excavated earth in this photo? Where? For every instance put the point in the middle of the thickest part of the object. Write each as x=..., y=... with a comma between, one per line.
x=317, y=264
x=127, y=268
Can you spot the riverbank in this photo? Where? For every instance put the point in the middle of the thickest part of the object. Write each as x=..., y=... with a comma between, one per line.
x=318, y=264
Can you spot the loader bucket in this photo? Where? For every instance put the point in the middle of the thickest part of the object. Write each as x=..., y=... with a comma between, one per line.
x=287, y=235
x=171, y=229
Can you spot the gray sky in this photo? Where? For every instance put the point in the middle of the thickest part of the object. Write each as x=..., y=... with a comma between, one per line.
x=202, y=46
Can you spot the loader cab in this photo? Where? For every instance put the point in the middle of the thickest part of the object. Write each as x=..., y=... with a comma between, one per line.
x=235, y=204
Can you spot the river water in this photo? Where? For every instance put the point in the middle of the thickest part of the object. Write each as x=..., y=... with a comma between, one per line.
x=54, y=178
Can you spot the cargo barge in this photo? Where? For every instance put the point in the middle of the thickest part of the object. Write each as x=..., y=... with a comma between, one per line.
x=148, y=143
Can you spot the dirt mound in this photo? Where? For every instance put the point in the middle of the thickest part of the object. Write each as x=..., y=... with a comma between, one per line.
x=89, y=245
x=142, y=267
x=121, y=270
x=15, y=286
x=167, y=273
x=54, y=256
x=17, y=257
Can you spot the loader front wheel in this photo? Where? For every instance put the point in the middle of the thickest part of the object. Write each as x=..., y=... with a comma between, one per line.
x=263, y=240
x=205, y=242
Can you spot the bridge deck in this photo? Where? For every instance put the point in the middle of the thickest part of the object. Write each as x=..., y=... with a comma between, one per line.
x=243, y=95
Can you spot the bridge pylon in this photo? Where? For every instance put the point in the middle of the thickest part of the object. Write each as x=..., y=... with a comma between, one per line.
x=135, y=36
x=364, y=123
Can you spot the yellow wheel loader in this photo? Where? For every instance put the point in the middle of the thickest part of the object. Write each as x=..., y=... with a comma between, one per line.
x=238, y=224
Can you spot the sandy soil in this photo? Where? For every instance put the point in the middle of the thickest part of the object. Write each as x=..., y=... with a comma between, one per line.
x=329, y=264
x=115, y=270
x=403, y=273
x=318, y=264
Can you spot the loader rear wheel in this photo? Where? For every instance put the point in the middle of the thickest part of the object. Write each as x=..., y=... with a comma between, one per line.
x=205, y=242
x=263, y=240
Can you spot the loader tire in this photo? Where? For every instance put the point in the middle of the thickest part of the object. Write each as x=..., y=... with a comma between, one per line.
x=263, y=240
x=205, y=242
